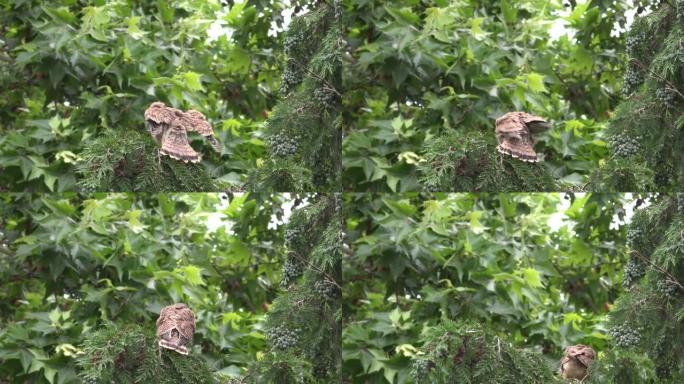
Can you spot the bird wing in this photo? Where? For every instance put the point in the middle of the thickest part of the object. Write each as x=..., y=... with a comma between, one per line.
x=581, y=353
x=186, y=323
x=159, y=114
x=509, y=123
x=186, y=329
x=586, y=356
x=175, y=144
x=164, y=323
x=196, y=121
x=535, y=124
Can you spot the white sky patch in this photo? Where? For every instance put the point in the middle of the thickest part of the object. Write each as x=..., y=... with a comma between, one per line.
x=219, y=28
x=216, y=220
x=557, y=220
x=560, y=26
x=287, y=18
x=287, y=207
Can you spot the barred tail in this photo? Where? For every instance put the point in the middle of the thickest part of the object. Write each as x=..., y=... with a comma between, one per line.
x=183, y=350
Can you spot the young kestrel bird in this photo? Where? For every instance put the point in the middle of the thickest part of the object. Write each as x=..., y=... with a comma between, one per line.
x=513, y=132
x=169, y=127
x=175, y=327
x=576, y=361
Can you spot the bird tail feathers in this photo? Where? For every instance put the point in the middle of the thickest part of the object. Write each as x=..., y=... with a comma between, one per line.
x=183, y=350
x=523, y=154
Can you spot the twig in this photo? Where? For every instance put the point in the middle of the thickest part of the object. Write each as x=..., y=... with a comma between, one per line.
x=305, y=68
x=330, y=278
x=659, y=269
x=674, y=88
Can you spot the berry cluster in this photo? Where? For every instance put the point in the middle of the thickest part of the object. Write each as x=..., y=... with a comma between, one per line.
x=282, y=337
x=633, y=79
x=634, y=235
x=624, y=146
x=338, y=9
x=283, y=146
x=666, y=96
x=291, y=271
x=663, y=173
x=667, y=288
x=325, y=96
x=680, y=202
x=326, y=289
x=339, y=203
x=292, y=234
x=633, y=272
x=664, y=364
x=291, y=78
x=420, y=368
x=625, y=336
x=292, y=41
x=634, y=42
x=323, y=364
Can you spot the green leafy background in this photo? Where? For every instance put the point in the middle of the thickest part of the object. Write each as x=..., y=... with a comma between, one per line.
x=71, y=71
x=494, y=259
x=424, y=69
x=70, y=264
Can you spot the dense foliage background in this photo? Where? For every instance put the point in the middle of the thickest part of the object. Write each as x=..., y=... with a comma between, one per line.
x=645, y=133
x=304, y=325
x=72, y=264
x=304, y=132
x=73, y=74
x=537, y=272
x=423, y=73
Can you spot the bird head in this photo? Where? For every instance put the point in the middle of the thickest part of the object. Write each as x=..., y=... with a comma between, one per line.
x=157, y=104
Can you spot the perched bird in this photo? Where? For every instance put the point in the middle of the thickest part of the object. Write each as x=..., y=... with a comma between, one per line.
x=169, y=126
x=576, y=360
x=175, y=327
x=513, y=132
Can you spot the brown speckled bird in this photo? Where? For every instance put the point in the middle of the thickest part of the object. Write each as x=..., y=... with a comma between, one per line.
x=169, y=127
x=576, y=361
x=513, y=132
x=175, y=327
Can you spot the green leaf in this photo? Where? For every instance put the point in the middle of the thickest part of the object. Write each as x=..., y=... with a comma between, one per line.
x=532, y=277
x=535, y=82
x=192, y=80
x=193, y=275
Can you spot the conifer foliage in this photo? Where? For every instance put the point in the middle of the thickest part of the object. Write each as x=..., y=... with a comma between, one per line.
x=646, y=323
x=303, y=132
x=646, y=133
x=467, y=160
x=129, y=160
x=304, y=323
x=128, y=354
x=468, y=353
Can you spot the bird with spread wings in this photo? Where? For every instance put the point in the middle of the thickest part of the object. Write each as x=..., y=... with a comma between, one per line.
x=170, y=126
x=514, y=133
